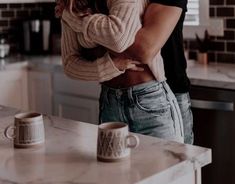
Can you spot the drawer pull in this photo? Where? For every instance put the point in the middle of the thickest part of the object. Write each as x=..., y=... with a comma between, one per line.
x=212, y=105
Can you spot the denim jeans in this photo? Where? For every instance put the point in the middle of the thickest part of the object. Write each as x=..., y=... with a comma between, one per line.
x=149, y=108
x=185, y=108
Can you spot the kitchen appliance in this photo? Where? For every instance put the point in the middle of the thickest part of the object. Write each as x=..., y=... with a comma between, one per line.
x=4, y=48
x=36, y=36
x=214, y=127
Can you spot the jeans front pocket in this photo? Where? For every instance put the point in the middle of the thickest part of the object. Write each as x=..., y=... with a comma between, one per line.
x=102, y=103
x=152, y=100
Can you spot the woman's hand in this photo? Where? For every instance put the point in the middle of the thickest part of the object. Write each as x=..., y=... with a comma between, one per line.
x=127, y=64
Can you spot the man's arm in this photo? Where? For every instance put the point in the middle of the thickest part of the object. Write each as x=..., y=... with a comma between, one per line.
x=159, y=22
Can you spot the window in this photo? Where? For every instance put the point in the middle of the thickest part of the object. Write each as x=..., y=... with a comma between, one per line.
x=192, y=15
x=197, y=18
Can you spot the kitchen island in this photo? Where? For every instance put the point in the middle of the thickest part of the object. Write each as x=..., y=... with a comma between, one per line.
x=69, y=156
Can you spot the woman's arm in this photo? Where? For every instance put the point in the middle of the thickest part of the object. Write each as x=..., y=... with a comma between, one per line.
x=115, y=31
x=102, y=69
x=76, y=67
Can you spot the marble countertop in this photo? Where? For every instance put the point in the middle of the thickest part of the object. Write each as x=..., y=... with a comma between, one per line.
x=69, y=156
x=212, y=75
x=37, y=63
x=7, y=111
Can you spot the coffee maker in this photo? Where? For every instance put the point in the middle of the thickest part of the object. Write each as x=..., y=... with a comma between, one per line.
x=36, y=36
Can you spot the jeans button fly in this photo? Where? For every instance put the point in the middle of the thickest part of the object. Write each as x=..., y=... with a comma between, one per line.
x=119, y=93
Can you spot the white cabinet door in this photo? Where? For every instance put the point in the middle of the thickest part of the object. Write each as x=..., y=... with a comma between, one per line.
x=63, y=84
x=14, y=88
x=40, y=92
x=76, y=108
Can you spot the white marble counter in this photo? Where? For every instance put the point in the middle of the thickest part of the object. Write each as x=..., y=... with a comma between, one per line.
x=69, y=156
x=7, y=111
x=37, y=63
x=212, y=75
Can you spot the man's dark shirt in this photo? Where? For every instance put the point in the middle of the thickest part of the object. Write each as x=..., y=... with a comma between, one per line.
x=173, y=52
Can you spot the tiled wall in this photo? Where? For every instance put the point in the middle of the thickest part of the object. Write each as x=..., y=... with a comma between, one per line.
x=12, y=16
x=222, y=49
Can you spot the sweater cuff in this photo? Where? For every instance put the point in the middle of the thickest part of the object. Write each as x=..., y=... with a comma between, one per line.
x=107, y=69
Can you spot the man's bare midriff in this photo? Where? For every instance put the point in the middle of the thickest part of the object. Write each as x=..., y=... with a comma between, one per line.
x=131, y=78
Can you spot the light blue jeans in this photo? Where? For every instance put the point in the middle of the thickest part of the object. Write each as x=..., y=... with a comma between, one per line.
x=184, y=102
x=149, y=108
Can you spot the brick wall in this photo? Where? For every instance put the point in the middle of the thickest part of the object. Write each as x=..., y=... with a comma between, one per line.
x=222, y=49
x=12, y=16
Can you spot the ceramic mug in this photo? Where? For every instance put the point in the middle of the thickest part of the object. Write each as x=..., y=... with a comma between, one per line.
x=114, y=142
x=28, y=130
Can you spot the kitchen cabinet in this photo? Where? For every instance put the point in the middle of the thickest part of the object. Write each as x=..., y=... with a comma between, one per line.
x=214, y=127
x=25, y=1
x=76, y=108
x=14, y=88
x=76, y=99
x=40, y=91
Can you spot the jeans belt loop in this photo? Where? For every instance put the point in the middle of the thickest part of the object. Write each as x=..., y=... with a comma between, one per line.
x=106, y=93
x=130, y=96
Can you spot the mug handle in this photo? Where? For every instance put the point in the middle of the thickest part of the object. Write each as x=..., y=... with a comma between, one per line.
x=136, y=141
x=11, y=137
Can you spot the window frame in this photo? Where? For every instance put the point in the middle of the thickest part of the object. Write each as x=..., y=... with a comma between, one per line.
x=189, y=31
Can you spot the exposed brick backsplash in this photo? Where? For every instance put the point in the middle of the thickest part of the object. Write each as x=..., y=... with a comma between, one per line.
x=222, y=47
x=13, y=15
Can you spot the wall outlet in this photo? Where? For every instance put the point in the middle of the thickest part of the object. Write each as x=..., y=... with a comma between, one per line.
x=216, y=27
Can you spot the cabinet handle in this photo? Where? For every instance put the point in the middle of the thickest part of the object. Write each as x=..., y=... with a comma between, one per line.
x=212, y=105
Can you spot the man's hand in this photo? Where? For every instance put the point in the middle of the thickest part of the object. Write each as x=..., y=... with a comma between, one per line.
x=119, y=62
x=127, y=64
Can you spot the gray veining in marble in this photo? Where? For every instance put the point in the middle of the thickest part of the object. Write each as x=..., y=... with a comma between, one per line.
x=7, y=111
x=212, y=75
x=69, y=156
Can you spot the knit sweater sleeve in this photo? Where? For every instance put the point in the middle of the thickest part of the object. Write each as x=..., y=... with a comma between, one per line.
x=115, y=31
x=102, y=69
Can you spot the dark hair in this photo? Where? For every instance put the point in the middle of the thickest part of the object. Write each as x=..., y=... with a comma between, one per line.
x=73, y=6
x=80, y=5
x=102, y=6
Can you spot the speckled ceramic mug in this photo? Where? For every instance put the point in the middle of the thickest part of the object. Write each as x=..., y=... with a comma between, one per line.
x=115, y=142
x=28, y=130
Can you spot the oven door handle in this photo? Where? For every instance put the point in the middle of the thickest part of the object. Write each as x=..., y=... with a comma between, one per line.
x=212, y=105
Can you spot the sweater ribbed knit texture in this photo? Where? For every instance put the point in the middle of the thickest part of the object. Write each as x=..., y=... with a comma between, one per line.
x=115, y=31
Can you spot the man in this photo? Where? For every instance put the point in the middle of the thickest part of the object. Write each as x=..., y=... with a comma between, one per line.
x=161, y=30
x=162, y=24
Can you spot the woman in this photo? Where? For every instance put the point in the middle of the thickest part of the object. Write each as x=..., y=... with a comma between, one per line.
x=141, y=99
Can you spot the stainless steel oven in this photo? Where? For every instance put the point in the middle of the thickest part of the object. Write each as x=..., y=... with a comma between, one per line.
x=214, y=127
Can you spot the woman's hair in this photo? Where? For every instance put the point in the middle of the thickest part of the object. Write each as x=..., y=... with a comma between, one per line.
x=73, y=6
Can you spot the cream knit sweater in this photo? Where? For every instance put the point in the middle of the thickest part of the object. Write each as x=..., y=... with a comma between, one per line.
x=116, y=32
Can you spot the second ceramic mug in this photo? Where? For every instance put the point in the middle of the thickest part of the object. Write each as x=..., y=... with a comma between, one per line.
x=28, y=130
x=114, y=142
